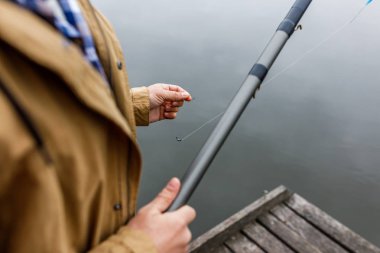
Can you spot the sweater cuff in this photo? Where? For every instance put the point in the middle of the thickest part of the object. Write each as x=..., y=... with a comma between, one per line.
x=141, y=105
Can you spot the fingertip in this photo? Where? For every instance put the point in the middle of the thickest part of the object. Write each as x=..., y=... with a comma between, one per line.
x=194, y=212
x=186, y=95
x=188, y=213
x=170, y=115
x=167, y=195
x=190, y=210
x=174, y=184
x=176, y=180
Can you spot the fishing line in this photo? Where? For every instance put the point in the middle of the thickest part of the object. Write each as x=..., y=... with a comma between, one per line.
x=361, y=10
x=297, y=60
x=331, y=36
x=292, y=64
x=358, y=14
x=199, y=128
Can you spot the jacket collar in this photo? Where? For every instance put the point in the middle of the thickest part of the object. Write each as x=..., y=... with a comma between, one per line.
x=43, y=45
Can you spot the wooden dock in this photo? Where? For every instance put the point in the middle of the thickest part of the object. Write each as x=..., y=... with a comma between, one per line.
x=281, y=222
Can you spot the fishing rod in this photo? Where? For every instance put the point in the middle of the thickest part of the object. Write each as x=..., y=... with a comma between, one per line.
x=247, y=91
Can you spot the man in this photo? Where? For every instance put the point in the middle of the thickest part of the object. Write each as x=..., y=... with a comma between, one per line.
x=69, y=162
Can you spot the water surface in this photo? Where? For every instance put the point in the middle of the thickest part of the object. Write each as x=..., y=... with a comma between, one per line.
x=315, y=129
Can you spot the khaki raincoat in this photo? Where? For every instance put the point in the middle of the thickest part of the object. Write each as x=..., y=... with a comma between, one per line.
x=69, y=162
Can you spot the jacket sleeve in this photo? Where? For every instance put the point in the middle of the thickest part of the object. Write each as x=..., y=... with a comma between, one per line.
x=140, y=100
x=126, y=241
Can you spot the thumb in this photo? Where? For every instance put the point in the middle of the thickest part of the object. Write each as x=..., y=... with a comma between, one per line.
x=163, y=200
x=175, y=95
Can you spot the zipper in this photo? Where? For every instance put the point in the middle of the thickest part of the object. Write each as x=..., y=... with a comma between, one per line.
x=28, y=124
x=129, y=214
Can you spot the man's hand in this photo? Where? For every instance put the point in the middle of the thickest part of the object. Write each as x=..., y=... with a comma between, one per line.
x=165, y=101
x=169, y=231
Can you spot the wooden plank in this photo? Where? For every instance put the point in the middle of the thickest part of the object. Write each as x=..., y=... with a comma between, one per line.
x=216, y=236
x=265, y=239
x=238, y=243
x=287, y=235
x=306, y=230
x=340, y=233
x=222, y=249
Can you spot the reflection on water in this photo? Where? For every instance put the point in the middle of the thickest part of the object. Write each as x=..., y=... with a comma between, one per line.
x=316, y=129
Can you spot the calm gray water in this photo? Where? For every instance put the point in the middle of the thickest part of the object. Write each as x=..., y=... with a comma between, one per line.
x=315, y=129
